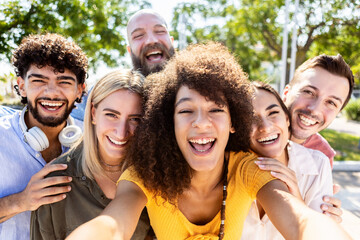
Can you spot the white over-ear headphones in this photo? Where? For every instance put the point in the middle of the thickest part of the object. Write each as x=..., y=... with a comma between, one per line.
x=38, y=140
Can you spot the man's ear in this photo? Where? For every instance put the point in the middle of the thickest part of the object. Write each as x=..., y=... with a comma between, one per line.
x=232, y=130
x=81, y=89
x=21, y=83
x=285, y=93
x=128, y=48
x=172, y=39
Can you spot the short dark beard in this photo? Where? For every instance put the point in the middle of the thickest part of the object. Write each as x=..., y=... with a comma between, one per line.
x=50, y=121
x=140, y=64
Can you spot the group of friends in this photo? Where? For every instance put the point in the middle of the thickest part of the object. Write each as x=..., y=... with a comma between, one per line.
x=182, y=146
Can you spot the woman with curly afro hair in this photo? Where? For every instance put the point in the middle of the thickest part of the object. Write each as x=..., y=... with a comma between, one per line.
x=190, y=163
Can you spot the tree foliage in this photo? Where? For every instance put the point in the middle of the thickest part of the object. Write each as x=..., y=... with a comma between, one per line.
x=252, y=29
x=96, y=25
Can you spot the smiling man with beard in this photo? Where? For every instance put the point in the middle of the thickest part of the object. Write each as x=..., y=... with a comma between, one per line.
x=150, y=47
x=51, y=77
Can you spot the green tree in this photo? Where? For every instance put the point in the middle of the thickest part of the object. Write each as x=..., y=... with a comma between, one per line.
x=96, y=25
x=11, y=80
x=252, y=29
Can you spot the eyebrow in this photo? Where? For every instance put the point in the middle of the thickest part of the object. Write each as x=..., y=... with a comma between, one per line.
x=332, y=96
x=140, y=29
x=118, y=113
x=272, y=106
x=62, y=77
x=182, y=100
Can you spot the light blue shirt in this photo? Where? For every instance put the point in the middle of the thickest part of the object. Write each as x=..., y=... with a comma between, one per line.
x=18, y=163
x=6, y=110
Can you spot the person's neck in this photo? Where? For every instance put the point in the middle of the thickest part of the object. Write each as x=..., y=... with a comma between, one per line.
x=298, y=141
x=51, y=133
x=206, y=181
x=284, y=157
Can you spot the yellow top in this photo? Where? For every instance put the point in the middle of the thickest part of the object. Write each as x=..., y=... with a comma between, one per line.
x=244, y=181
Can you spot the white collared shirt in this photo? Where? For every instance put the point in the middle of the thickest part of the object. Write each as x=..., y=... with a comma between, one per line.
x=313, y=173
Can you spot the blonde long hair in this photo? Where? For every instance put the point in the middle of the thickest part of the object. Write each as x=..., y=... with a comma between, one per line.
x=111, y=82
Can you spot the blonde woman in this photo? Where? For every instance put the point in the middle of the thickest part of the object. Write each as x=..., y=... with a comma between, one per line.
x=113, y=111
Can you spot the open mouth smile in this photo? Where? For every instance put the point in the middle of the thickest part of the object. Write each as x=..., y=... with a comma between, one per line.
x=307, y=121
x=117, y=143
x=154, y=55
x=51, y=106
x=269, y=139
x=202, y=145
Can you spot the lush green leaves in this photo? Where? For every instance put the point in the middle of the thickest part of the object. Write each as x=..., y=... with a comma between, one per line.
x=252, y=29
x=96, y=25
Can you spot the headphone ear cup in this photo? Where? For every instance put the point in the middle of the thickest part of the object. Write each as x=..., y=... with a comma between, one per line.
x=69, y=135
x=36, y=139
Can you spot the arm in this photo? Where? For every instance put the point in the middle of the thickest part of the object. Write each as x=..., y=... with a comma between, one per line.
x=292, y=218
x=331, y=206
x=38, y=192
x=119, y=219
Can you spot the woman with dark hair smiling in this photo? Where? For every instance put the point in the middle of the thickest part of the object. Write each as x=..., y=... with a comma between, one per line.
x=306, y=172
x=189, y=163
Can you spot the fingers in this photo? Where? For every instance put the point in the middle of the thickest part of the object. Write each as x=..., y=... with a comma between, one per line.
x=50, y=168
x=51, y=181
x=333, y=212
x=276, y=166
x=336, y=188
x=282, y=172
x=332, y=201
x=43, y=190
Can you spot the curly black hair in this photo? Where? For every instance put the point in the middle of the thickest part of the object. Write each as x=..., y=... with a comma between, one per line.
x=49, y=50
x=212, y=71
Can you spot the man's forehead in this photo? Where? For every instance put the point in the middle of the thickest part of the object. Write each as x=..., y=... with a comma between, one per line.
x=48, y=71
x=309, y=77
x=145, y=20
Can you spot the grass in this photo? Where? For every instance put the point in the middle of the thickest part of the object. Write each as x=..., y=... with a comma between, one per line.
x=346, y=145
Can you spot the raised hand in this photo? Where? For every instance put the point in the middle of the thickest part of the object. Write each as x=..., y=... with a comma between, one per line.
x=41, y=190
x=282, y=172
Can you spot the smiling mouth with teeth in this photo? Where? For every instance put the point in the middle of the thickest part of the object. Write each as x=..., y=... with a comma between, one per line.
x=268, y=140
x=51, y=106
x=156, y=55
x=119, y=143
x=202, y=144
x=307, y=121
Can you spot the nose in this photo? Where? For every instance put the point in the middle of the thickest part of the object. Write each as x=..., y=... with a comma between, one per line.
x=201, y=120
x=151, y=38
x=263, y=125
x=314, y=106
x=122, y=129
x=51, y=89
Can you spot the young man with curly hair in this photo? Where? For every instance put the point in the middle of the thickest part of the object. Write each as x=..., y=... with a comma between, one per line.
x=51, y=76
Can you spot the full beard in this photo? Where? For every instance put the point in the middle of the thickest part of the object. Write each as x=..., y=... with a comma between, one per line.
x=50, y=121
x=140, y=63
